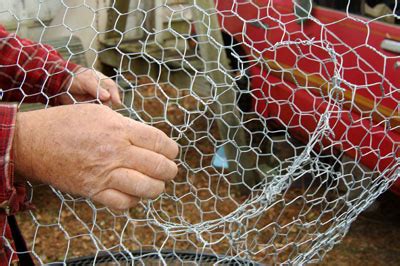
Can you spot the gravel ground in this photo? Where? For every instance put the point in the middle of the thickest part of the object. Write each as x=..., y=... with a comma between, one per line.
x=373, y=239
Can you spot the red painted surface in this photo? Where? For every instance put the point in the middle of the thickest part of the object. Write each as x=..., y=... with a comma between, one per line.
x=368, y=70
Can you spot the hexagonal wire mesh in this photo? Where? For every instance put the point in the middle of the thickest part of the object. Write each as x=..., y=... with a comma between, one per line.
x=286, y=114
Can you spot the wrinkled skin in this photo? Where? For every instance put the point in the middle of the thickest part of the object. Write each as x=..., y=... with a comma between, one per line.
x=92, y=151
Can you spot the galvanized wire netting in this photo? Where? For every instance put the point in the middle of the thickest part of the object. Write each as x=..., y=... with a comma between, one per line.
x=287, y=116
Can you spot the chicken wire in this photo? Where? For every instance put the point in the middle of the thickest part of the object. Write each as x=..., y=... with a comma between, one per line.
x=265, y=176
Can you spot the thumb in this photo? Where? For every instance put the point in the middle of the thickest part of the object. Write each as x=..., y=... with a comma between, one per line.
x=104, y=95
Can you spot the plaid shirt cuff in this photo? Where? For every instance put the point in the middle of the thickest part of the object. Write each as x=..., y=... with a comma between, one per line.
x=12, y=196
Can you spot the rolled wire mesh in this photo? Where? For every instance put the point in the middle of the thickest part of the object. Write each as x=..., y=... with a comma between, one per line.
x=286, y=114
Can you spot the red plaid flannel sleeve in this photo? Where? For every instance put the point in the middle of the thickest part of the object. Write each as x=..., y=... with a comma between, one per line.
x=31, y=72
x=12, y=195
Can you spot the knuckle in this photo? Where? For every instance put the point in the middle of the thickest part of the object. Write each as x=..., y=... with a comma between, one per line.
x=129, y=125
x=117, y=123
x=159, y=166
x=159, y=137
x=104, y=149
x=165, y=169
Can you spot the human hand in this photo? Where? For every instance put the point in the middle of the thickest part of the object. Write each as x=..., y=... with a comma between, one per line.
x=89, y=84
x=92, y=151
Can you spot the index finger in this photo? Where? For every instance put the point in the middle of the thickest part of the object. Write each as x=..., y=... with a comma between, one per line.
x=151, y=138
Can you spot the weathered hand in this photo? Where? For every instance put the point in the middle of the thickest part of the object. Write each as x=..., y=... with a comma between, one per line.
x=95, y=152
x=89, y=84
